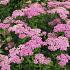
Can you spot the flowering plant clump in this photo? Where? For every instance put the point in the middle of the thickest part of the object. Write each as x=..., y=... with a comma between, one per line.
x=34, y=34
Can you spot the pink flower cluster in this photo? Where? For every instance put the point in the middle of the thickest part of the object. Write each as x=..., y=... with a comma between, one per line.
x=61, y=8
x=4, y=2
x=23, y=29
x=53, y=4
x=9, y=20
x=52, y=35
x=28, y=48
x=61, y=11
x=57, y=43
x=4, y=26
x=4, y=62
x=33, y=10
x=41, y=59
x=63, y=59
x=25, y=50
x=13, y=56
x=63, y=28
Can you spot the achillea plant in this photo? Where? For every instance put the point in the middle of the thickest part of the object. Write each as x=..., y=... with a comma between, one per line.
x=35, y=36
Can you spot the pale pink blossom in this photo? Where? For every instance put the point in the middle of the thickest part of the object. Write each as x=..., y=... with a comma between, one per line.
x=40, y=58
x=4, y=2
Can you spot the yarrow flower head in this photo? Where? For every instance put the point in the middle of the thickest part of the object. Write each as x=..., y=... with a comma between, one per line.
x=61, y=11
x=63, y=59
x=25, y=50
x=54, y=4
x=4, y=2
x=14, y=56
x=4, y=62
x=4, y=26
x=33, y=10
x=40, y=58
x=24, y=29
x=57, y=43
x=63, y=28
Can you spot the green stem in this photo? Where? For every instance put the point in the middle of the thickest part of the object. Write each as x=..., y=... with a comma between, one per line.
x=40, y=67
x=19, y=66
x=29, y=62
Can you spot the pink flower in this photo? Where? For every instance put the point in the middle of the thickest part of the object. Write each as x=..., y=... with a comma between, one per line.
x=54, y=4
x=63, y=59
x=4, y=2
x=57, y=43
x=15, y=59
x=14, y=56
x=63, y=28
x=22, y=36
x=25, y=50
x=4, y=26
x=40, y=58
x=17, y=13
x=13, y=52
x=44, y=33
x=4, y=62
x=59, y=28
x=8, y=19
x=61, y=11
x=24, y=29
x=52, y=35
x=33, y=10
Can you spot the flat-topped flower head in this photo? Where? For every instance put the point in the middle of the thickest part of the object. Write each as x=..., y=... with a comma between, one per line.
x=4, y=2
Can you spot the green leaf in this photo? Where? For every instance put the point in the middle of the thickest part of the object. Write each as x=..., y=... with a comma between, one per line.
x=22, y=41
x=1, y=51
